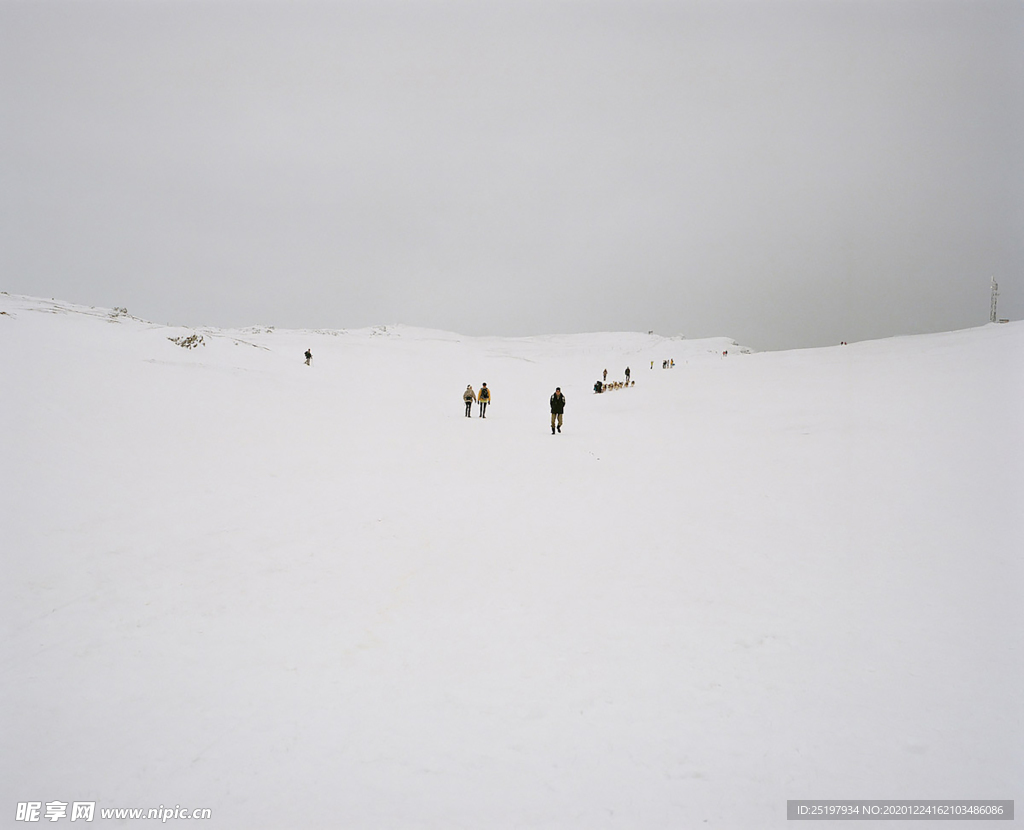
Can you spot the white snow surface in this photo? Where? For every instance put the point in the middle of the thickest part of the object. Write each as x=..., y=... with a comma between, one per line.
x=320, y=597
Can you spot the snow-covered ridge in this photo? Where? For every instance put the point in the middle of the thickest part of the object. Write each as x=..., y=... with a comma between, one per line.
x=13, y=304
x=321, y=596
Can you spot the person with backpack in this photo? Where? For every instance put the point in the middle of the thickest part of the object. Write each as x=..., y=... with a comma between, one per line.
x=484, y=397
x=627, y=375
x=309, y=357
x=557, y=408
x=469, y=396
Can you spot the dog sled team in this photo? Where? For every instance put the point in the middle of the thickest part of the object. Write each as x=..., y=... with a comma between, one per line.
x=603, y=385
x=600, y=387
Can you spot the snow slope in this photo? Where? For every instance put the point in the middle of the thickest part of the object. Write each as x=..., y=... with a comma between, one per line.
x=321, y=597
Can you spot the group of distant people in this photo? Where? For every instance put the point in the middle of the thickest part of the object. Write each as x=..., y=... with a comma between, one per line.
x=483, y=397
x=556, y=402
x=604, y=376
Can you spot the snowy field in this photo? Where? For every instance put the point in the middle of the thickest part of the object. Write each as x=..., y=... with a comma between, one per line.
x=320, y=597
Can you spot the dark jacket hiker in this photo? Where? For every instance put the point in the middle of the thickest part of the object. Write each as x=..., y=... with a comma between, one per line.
x=557, y=408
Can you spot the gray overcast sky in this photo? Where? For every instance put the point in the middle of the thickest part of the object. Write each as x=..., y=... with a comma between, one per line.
x=785, y=173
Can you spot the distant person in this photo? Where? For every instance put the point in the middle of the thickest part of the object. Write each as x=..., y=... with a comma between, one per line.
x=605, y=376
x=627, y=374
x=484, y=397
x=469, y=396
x=557, y=408
x=309, y=358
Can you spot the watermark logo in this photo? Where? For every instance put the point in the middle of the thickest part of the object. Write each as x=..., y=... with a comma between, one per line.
x=86, y=811
x=55, y=810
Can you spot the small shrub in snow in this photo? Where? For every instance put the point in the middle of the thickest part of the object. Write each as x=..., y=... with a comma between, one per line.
x=189, y=342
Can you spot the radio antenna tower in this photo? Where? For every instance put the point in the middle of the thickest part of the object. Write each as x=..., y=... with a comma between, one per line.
x=995, y=293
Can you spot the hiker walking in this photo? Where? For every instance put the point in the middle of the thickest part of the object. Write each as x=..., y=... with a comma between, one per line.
x=605, y=378
x=627, y=374
x=309, y=358
x=469, y=396
x=557, y=408
x=484, y=397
